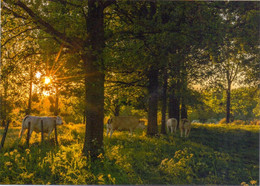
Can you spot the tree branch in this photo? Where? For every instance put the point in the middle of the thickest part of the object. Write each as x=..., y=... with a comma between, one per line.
x=26, y=30
x=64, y=2
x=73, y=42
x=126, y=84
x=14, y=13
x=124, y=13
x=108, y=3
x=15, y=28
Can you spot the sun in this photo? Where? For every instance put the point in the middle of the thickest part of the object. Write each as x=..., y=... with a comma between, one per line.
x=47, y=80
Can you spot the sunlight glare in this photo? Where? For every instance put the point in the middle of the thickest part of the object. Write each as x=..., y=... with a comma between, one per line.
x=47, y=80
x=38, y=75
x=46, y=93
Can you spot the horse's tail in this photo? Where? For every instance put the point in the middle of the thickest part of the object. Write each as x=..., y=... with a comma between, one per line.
x=23, y=126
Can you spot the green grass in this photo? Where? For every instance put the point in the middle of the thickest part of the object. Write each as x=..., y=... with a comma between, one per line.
x=213, y=154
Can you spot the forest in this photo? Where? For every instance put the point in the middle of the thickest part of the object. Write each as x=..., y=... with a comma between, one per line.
x=89, y=60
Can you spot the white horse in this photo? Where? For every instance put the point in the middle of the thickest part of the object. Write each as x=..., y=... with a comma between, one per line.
x=48, y=124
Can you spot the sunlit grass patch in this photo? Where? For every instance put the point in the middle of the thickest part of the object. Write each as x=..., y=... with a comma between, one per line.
x=228, y=127
x=11, y=137
x=213, y=154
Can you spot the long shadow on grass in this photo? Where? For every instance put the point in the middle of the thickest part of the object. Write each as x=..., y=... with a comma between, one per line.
x=40, y=148
x=235, y=142
x=143, y=154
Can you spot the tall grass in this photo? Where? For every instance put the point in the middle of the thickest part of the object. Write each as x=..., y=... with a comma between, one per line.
x=213, y=154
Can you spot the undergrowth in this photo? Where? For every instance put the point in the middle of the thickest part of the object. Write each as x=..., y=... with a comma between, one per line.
x=213, y=154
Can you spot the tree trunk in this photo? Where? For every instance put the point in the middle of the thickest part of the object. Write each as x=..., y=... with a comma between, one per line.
x=228, y=103
x=94, y=110
x=183, y=110
x=56, y=110
x=174, y=105
x=4, y=101
x=171, y=102
x=184, y=96
x=84, y=117
x=117, y=107
x=29, y=108
x=176, y=109
x=117, y=110
x=164, y=101
x=94, y=80
x=152, y=128
x=30, y=100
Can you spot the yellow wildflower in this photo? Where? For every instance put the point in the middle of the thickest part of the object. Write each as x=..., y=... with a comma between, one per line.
x=253, y=182
x=244, y=183
x=6, y=154
x=100, y=156
x=27, y=151
x=18, y=155
x=101, y=179
x=8, y=163
x=113, y=180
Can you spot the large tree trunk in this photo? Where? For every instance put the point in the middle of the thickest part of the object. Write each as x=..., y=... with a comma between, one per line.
x=184, y=90
x=94, y=80
x=174, y=104
x=184, y=113
x=164, y=101
x=84, y=117
x=174, y=98
x=152, y=128
x=94, y=111
x=228, y=103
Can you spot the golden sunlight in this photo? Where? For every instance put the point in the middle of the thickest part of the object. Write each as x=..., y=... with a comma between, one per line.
x=38, y=75
x=46, y=93
x=47, y=80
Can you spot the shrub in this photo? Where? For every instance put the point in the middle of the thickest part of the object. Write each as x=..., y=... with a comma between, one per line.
x=178, y=169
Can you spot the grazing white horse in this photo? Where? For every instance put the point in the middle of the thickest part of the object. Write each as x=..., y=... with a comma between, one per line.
x=124, y=123
x=172, y=125
x=185, y=127
x=48, y=124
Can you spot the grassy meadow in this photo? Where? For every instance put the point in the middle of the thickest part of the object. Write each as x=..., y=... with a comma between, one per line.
x=213, y=154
